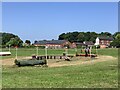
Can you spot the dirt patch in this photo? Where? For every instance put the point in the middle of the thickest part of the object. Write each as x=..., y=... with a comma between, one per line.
x=62, y=62
x=11, y=60
x=81, y=60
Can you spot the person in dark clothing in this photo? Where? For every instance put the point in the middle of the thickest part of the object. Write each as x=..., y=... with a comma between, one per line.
x=86, y=51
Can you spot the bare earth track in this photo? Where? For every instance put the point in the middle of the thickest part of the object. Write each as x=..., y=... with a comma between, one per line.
x=61, y=62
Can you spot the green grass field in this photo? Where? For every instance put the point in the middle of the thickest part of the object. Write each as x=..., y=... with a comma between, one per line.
x=24, y=52
x=94, y=75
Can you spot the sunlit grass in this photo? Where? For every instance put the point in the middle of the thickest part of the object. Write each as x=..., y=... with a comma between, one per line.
x=102, y=74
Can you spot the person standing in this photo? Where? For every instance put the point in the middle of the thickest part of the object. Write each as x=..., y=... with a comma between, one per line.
x=86, y=51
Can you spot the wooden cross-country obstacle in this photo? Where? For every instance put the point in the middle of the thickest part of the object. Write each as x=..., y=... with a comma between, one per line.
x=89, y=55
x=53, y=57
x=5, y=53
x=30, y=62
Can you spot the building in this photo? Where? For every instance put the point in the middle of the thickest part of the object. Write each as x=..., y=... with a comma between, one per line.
x=84, y=44
x=73, y=45
x=53, y=44
x=88, y=43
x=104, y=42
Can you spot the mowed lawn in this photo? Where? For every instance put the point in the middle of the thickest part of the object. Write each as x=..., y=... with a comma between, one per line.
x=25, y=52
x=93, y=75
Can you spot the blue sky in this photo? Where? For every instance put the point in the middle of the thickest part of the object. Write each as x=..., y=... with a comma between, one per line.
x=38, y=21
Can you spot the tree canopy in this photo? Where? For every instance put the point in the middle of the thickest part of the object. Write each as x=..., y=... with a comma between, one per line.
x=82, y=36
x=28, y=42
x=10, y=39
x=90, y=36
x=116, y=41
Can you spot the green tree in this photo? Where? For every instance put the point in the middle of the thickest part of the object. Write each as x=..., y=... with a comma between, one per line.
x=116, y=41
x=80, y=37
x=10, y=39
x=62, y=36
x=93, y=36
x=117, y=36
x=105, y=34
x=6, y=37
x=28, y=42
x=15, y=42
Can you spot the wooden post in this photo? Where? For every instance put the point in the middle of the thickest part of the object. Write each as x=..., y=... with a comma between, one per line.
x=90, y=51
x=40, y=57
x=37, y=51
x=16, y=52
x=50, y=57
x=66, y=50
x=46, y=51
x=60, y=57
x=96, y=50
x=9, y=47
x=47, y=57
x=54, y=57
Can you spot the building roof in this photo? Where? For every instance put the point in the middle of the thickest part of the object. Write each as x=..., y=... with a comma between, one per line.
x=44, y=42
x=106, y=38
x=88, y=43
x=85, y=43
x=79, y=43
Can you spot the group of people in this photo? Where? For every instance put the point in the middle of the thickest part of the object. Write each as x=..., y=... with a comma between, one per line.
x=86, y=50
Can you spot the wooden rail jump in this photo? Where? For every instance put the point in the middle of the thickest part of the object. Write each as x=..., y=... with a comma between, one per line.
x=51, y=57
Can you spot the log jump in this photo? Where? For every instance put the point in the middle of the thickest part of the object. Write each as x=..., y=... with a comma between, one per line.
x=30, y=62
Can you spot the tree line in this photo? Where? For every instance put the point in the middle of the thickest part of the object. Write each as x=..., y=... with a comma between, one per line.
x=83, y=36
x=90, y=36
x=9, y=39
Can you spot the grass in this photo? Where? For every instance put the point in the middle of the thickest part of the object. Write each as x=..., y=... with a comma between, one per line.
x=94, y=75
x=24, y=52
x=103, y=74
x=109, y=52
